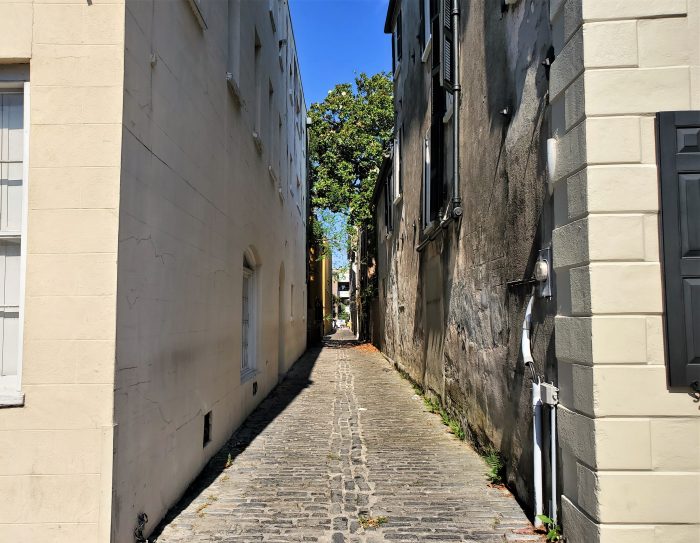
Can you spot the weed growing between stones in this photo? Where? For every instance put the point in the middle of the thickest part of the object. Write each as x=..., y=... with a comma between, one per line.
x=494, y=461
x=372, y=522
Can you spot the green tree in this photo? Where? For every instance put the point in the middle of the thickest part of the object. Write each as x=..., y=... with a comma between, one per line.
x=349, y=133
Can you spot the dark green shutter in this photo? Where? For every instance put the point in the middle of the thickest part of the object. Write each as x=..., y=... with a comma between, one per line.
x=446, y=45
x=679, y=174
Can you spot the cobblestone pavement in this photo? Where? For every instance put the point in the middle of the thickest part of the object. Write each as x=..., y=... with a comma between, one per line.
x=344, y=437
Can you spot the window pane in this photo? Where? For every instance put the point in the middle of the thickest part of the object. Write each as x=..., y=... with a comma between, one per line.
x=11, y=197
x=9, y=272
x=9, y=330
x=11, y=121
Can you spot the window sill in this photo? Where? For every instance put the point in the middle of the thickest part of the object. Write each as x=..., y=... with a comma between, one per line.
x=426, y=52
x=429, y=228
x=194, y=4
x=397, y=71
x=258, y=143
x=398, y=199
x=11, y=398
x=448, y=114
x=248, y=374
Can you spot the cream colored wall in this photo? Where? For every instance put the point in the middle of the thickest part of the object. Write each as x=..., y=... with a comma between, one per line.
x=631, y=448
x=195, y=194
x=56, y=450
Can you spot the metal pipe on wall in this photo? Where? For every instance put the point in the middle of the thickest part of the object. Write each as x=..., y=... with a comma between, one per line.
x=457, y=89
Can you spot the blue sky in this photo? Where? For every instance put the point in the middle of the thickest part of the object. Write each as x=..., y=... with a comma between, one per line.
x=335, y=40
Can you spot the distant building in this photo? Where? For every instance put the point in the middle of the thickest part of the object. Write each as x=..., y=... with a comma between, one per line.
x=320, y=302
x=153, y=182
x=604, y=247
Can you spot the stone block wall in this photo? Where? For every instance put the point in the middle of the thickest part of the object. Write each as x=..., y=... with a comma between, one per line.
x=631, y=460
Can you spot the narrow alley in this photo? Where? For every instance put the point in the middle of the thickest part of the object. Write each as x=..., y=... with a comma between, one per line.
x=344, y=441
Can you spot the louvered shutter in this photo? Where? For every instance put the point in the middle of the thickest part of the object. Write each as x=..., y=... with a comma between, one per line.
x=437, y=106
x=679, y=172
x=446, y=45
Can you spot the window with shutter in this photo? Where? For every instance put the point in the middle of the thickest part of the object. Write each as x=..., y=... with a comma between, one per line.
x=233, y=73
x=446, y=45
x=248, y=319
x=426, y=181
x=679, y=174
x=13, y=162
x=396, y=44
x=437, y=142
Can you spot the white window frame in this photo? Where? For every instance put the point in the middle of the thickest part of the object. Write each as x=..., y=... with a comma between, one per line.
x=397, y=169
x=398, y=54
x=250, y=272
x=426, y=182
x=428, y=34
x=11, y=386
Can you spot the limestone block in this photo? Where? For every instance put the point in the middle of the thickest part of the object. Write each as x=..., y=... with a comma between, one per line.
x=76, y=406
x=648, y=139
x=72, y=231
x=595, y=10
x=576, y=434
x=624, y=288
x=655, y=340
x=637, y=390
x=567, y=66
x=566, y=17
x=619, y=340
x=75, y=145
x=571, y=244
x=571, y=152
x=74, y=188
x=612, y=140
x=574, y=103
x=573, y=339
x=55, y=532
x=70, y=317
x=16, y=30
x=675, y=444
x=580, y=528
x=664, y=42
x=655, y=89
x=621, y=188
x=68, y=361
x=651, y=238
x=44, y=499
x=56, y=452
x=580, y=290
x=611, y=44
x=73, y=24
x=582, y=384
x=616, y=237
x=78, y=65
x=72, y=275
x=622, y=444
x=76, y=105
x=634, y=497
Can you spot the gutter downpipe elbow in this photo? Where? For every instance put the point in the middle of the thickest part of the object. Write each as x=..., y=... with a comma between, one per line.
x=457, y=89
x=536, y=412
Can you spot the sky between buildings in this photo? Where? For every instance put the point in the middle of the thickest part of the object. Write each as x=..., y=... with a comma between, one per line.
x=337, y=39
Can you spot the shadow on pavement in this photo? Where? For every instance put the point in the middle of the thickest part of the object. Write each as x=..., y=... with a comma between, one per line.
x=296, y=380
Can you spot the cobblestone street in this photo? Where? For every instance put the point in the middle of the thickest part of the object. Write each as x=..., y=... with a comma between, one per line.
x=344, y=437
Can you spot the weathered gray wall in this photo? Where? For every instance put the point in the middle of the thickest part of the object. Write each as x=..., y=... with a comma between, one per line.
x=449, y=317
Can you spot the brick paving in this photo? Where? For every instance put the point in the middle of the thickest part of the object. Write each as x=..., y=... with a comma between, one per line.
x=344, y=437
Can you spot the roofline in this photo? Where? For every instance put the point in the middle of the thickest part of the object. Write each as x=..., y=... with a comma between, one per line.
x=389, y=22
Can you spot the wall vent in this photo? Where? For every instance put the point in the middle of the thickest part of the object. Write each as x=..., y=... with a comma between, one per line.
x=206, y=437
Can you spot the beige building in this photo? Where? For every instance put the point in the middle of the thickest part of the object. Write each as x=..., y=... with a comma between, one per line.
x=563, y=166
x=153, y=248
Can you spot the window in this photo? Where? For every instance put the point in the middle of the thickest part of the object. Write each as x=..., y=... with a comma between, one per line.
x=425, y=34
x=437, y=152
x=426, y=181
x=233, y=75
x=388, y=201
x=397, y=44
x=398, y=175
x=248, y=319
x=258, y=91
x=14, y=139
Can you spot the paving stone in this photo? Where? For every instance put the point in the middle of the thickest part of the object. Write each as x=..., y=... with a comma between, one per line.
x=343, y=437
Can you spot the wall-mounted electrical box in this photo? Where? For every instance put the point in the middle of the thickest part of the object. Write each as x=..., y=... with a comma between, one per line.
x=543, y=273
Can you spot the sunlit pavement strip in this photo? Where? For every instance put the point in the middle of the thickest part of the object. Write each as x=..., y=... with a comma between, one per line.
x=344, y=451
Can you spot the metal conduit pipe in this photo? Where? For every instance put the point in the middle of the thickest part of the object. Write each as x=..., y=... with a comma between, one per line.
x=536, y=412
x=457, y=90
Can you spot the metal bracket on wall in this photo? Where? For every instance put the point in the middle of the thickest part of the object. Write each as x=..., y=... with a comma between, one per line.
x=543, y=273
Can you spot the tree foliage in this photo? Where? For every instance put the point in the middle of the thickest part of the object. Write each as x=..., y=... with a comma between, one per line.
x=349, y=132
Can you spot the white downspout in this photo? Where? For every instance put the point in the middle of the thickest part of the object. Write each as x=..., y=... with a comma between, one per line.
x=553, y=448
x=536, y=412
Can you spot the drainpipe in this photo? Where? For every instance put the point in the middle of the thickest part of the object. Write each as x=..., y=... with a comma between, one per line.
x=536, y=412
x=457, y=89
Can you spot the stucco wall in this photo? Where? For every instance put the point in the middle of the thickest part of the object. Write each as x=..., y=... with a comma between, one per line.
x=56, y=450
x=450, y=319
x=195, y=195
x=631, y=457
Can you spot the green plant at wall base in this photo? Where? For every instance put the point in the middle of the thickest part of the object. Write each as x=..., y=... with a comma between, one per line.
x=553, y=529
x=494, y=461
